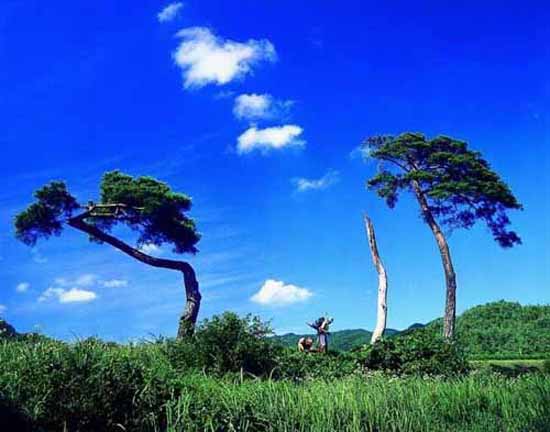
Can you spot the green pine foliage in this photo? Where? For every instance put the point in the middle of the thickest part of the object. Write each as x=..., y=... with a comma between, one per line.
x=458, y=183
x=145, y=205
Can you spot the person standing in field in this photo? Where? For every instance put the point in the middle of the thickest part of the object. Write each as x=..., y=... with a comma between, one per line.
x=323, y=333
x=321, y=325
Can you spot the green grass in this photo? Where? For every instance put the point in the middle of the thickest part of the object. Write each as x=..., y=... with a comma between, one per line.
x=378, y=404
x=509, y=363
x=92, y=386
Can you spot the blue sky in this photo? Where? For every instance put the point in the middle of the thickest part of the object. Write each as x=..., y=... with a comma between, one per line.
x=255, y=109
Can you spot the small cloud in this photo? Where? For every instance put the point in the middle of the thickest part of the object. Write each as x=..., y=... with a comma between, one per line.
x=359, y=152
x=150, y=248
x=85, y=280
x=114, y=283
x=277, y=293
x=205, y=58
x=276, y=137
x=224, y=94
x=3, y=308
x=73, y=295
x=260, y=106
x=304, y=184
x=22, y=287
x=37, y=257
x=170, y=12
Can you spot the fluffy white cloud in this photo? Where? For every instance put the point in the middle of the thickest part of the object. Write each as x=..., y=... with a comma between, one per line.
x=114, y=283
x=73, y=295
x=170, y=12
x=3, y=308
x=205, y=58
x=259, y=106
x=277, y=293
x=269, y=138
x=22, y=287
x=304, y=184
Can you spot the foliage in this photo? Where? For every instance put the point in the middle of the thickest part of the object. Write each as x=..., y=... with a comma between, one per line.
x=546, y=366
x=44, y=218
x=505, y=330
x=228, y=343
x=93, y=386
x=459, y=185
x=497, y=330
x=419, y=354
x=144, y=204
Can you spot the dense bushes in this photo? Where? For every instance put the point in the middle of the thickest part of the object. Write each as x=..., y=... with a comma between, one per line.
x=416, y=353
x=94, y=386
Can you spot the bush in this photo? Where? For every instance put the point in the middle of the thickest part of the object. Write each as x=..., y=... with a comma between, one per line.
x=228, y=343
x=546, y=366
x=418, y=353
x=300, y=366
x=86, y=386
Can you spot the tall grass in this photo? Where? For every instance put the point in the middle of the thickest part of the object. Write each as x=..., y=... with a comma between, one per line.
x=93, y=386
x=483, y=403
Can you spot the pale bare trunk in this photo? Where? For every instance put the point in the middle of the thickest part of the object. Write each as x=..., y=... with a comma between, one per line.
x=188, y=318
x=450, y=277
x=382, y=309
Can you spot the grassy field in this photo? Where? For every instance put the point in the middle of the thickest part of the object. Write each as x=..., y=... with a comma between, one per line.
x=509, y=363
x=378, y=403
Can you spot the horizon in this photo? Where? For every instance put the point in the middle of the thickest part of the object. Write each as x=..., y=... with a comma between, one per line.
x=257, y=112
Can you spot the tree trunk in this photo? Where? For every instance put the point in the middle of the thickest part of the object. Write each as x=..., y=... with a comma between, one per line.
x=382, y=309
x=188, y=318
x=450, y=277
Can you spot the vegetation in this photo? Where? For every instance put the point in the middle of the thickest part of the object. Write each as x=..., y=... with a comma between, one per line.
x=502, y=330
x=145, y=205
x=253, y=384
x=454, y=187
x=497, y=330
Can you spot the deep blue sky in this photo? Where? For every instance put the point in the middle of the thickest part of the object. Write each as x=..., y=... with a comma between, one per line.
x=87, y=87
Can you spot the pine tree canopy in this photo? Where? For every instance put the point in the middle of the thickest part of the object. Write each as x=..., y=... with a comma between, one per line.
x=459, y=185
x=145, y=205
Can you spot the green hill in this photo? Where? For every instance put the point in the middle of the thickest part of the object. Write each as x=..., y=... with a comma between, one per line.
x=502, y=329
x=343, y=340
x=498, y=330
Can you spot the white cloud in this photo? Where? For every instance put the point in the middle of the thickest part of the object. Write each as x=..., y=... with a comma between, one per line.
x=114, y=283
x=22, y=287
x=270, y=138
x=150, y=248
x=73, y=295
x=304, y=184
x=3, y=308
x=87, y=279
x=277, y=293
x=205, y=58
x=260, y=106
x=37, y=257
x=170, y=12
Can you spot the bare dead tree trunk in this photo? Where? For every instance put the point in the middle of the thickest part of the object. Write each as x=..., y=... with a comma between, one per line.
x=382, y=309
x=450, y=276
x=188, y=318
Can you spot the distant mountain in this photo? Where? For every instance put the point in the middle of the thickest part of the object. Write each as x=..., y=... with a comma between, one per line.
x=495, y=330
x=342, y=340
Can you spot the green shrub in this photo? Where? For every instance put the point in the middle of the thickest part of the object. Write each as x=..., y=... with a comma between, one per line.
x=300, y=366
x=546, y=366
x=418, y=353
x=228, y=343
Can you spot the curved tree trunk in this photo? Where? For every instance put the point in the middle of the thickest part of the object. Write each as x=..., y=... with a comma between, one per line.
x=382, y=310
x=189, y=316
x=450, y=277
